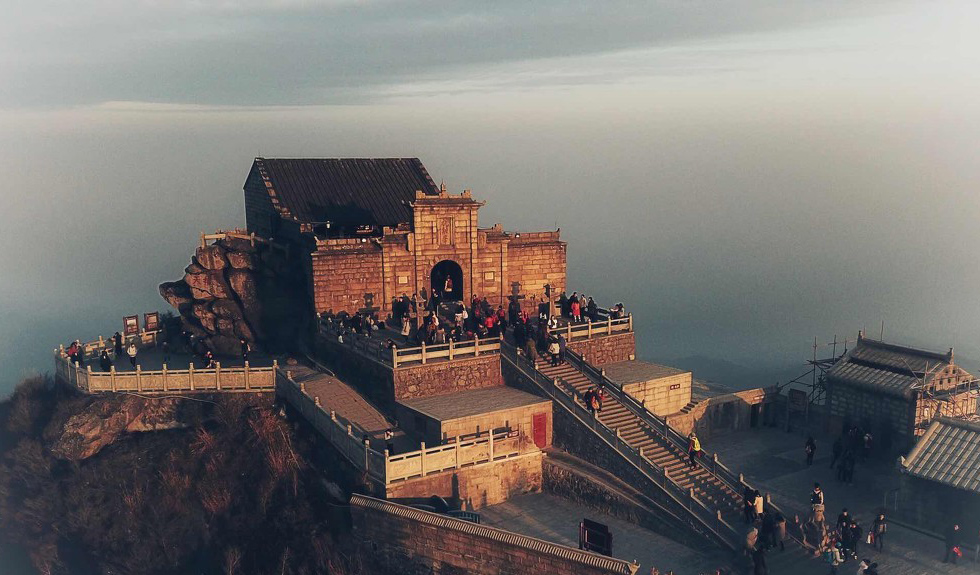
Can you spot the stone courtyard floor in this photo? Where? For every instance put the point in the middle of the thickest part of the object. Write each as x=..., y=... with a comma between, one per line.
x=773, y=461
x=554, y=519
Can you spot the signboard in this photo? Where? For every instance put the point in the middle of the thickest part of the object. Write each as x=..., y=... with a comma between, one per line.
x=151, y=321
x=131, y=325
x=595, y=537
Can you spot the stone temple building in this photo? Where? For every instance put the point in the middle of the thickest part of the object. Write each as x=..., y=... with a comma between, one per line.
x=896, y=391
x=377, y=229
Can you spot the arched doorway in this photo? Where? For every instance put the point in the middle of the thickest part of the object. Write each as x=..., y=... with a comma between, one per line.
x=447, y=269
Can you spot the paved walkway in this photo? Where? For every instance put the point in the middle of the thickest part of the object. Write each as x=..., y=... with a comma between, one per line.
x=554, y=519
x=351, y=407
x=774, y=462
x=152, y=359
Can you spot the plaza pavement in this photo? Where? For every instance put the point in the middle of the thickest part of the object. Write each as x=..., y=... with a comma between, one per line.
x=554, y=519
x=773, y=461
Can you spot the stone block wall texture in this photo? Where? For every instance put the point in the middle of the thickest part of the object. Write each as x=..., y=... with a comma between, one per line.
x=606, y=349
x=518, y=418
x=479, y=485
x=393, y=540
x=568, y=483
x=657, y=395
x=725, y=413
x=444, y=228
x=890, y=418
x=440, y=378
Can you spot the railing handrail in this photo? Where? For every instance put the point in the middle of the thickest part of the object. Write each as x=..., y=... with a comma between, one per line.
x=659, y=425
x=294, y=389
x=374, y=348
x=637, y=459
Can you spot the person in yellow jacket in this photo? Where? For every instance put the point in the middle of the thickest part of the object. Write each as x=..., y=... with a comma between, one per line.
x=693, y=447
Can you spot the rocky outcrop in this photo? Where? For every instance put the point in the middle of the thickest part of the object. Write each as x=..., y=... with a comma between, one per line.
x=104, y=421
x=234, y=289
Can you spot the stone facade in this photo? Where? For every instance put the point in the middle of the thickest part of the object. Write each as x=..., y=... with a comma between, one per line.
x=402, y=541
x=889, y=417
x=729, y=412
x=440, y=378
x=661, y=389
x=350, y=274
x=477, y=486
x=606, y=349
x=533, y=419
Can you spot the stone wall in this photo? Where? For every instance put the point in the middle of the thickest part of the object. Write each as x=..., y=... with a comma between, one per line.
x=607, y=348
x=516, y=418
x=442, y=377
x=348, y=271
x=371, y=378
x=621, y=501
x=729, y=412
x=403, y=541
x=476, y=486
x=536, y=259
x=889, y=417
x=661, y=395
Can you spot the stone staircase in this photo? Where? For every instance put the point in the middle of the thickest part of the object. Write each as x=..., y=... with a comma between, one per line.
x=667, y=455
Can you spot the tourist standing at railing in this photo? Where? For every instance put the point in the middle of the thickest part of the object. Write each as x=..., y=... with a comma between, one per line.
x=406, y=327
x=104, y=362
x=502, y=319
x=246, y=349
x=748, y=500
x=563, y=305
x=131, y=352
x=73, y=354
x=592, y=310
x=576, y=311
x=117, y=340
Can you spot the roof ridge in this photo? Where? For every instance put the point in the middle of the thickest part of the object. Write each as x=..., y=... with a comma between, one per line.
x=902, y=348
x=961, y=423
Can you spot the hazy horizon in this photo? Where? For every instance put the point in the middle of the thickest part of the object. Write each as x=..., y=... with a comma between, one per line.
x=744, y=177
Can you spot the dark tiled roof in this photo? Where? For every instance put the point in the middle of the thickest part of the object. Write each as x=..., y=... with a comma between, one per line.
x=347, y=192
x=886, y=367
x=948, y=452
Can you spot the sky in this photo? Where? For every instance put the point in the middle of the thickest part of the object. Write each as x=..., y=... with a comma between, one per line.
x=745, y=176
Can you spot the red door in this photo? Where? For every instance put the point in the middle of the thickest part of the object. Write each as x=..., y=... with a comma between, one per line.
x=539, y=429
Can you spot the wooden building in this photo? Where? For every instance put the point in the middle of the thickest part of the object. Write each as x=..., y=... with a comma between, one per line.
x=896, y=391
x=377, y=229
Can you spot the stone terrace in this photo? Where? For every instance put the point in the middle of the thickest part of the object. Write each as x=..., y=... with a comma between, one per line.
x=774, y=461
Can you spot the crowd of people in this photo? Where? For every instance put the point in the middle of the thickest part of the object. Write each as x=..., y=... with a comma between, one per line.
x=121, y=349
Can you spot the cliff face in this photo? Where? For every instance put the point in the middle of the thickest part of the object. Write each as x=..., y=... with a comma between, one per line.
x=233, y=290
x=230, y=491
x=103, y=422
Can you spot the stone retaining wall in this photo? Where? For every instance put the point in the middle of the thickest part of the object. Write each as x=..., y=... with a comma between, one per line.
x=400, y=540
x=440, y=378
x=606, y=349
x=478, y=486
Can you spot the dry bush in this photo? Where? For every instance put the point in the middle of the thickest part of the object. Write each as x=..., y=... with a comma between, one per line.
x=204, y=442
x=215, y=496
x=134, y=498
x=233, y=560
